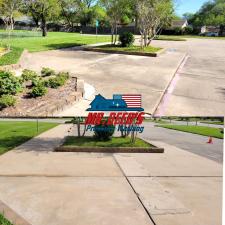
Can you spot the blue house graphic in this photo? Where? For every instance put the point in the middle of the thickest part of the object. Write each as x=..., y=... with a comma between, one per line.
x=116, y=104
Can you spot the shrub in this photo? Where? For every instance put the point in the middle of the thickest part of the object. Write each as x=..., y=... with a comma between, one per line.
x=28, y=75
x=188, y=30
x=39, y=90
x=57, y=81
x=46, y=72
x=9, y=84
x=36, y=81
x=178, y=30
x=103, y=131
x=6, y=101
x=126, y=39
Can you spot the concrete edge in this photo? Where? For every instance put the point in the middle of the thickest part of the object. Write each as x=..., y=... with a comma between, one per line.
x=95, y=49
x=167, y=86
x=11, y=215
x=109, y=150
x=18, y=64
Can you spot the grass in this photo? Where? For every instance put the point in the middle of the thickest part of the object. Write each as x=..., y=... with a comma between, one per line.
x=201, y=130
x=12, y=57
x=114, y=142
x=15, y=133
x=157, y=121
x=149, y=49
x=4, y=221
x=54, y=40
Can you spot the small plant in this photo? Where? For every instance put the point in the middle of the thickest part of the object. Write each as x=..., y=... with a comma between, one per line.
x=126, y=39
x=36, y=81
x=57, y=81
x=9, y=84
x=46, y=72
x=39, y=90
x=28, y=75
x=6, y=101
x=103, y=131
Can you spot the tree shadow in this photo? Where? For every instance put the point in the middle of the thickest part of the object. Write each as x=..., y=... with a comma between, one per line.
x=65, y=46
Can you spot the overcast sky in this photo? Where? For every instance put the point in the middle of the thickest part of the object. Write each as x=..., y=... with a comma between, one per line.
x=191, y=6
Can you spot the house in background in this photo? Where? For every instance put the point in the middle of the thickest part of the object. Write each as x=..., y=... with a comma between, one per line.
x=179, y=23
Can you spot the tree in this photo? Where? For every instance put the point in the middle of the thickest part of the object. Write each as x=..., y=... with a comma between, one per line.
x=152, y=16
x=9, y=9
x=211, y=13
x=115, y=10
x=44, y=10
x=70, y=11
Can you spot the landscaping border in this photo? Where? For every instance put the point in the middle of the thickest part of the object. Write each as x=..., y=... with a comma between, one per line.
x=109, y=149
x=11, y=215
x=96, y=49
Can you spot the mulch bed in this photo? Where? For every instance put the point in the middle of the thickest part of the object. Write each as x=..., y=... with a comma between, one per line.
x=53, y=101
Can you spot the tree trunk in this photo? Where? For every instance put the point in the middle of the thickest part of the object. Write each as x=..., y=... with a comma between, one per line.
x=43, y=27
x=112, y=34
x=115, y=35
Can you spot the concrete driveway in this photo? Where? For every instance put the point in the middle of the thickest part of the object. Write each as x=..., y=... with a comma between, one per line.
x=112, y=73
x=197, y=88
x=199, y=85
x=45, y=187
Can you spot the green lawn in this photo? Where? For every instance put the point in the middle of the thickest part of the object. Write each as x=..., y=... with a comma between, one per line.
x=201, y=130
x=149, y=49
x=114, y=142
x=4, y=221
x=15, y=133
x=213, y=122
x=54, y=40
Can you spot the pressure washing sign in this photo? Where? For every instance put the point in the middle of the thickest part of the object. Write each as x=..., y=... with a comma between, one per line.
x=123, y=111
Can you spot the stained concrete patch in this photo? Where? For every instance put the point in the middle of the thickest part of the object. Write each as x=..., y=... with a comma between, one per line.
x=57, y=164
x=203, y=195
x=69, y=201
x=157, y=199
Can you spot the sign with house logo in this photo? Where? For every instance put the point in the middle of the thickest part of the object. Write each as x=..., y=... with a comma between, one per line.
x=124, y=110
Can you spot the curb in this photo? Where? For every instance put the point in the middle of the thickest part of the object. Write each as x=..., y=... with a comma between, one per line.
x=94, y=49
x=11, y=215
x=109, y=149
x=17, y=65
x=167, y=86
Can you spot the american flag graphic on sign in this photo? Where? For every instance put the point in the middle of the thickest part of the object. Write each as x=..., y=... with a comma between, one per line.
x=132, y=100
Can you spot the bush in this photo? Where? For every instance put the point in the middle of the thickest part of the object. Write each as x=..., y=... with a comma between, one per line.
x=46, y=72
x=126, y=39
x=188, y=30
x=178, y=31
x=39, y=90
x=9, y=84
x=6, y=101
x=57, y=81
x=103, y=131
x=28, y=75
x=36, y=81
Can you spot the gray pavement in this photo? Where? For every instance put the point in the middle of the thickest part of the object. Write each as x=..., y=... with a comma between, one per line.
x=191, y=142
x=199, y=86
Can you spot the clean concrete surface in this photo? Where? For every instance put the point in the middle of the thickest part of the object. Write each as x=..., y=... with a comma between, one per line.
x=112, y=73
x=69, y=201
x=173, y=162
x=181, y=200
x=173, y=188
x=199, y=89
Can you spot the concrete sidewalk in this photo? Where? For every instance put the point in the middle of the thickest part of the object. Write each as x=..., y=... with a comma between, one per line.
x=45, y=187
